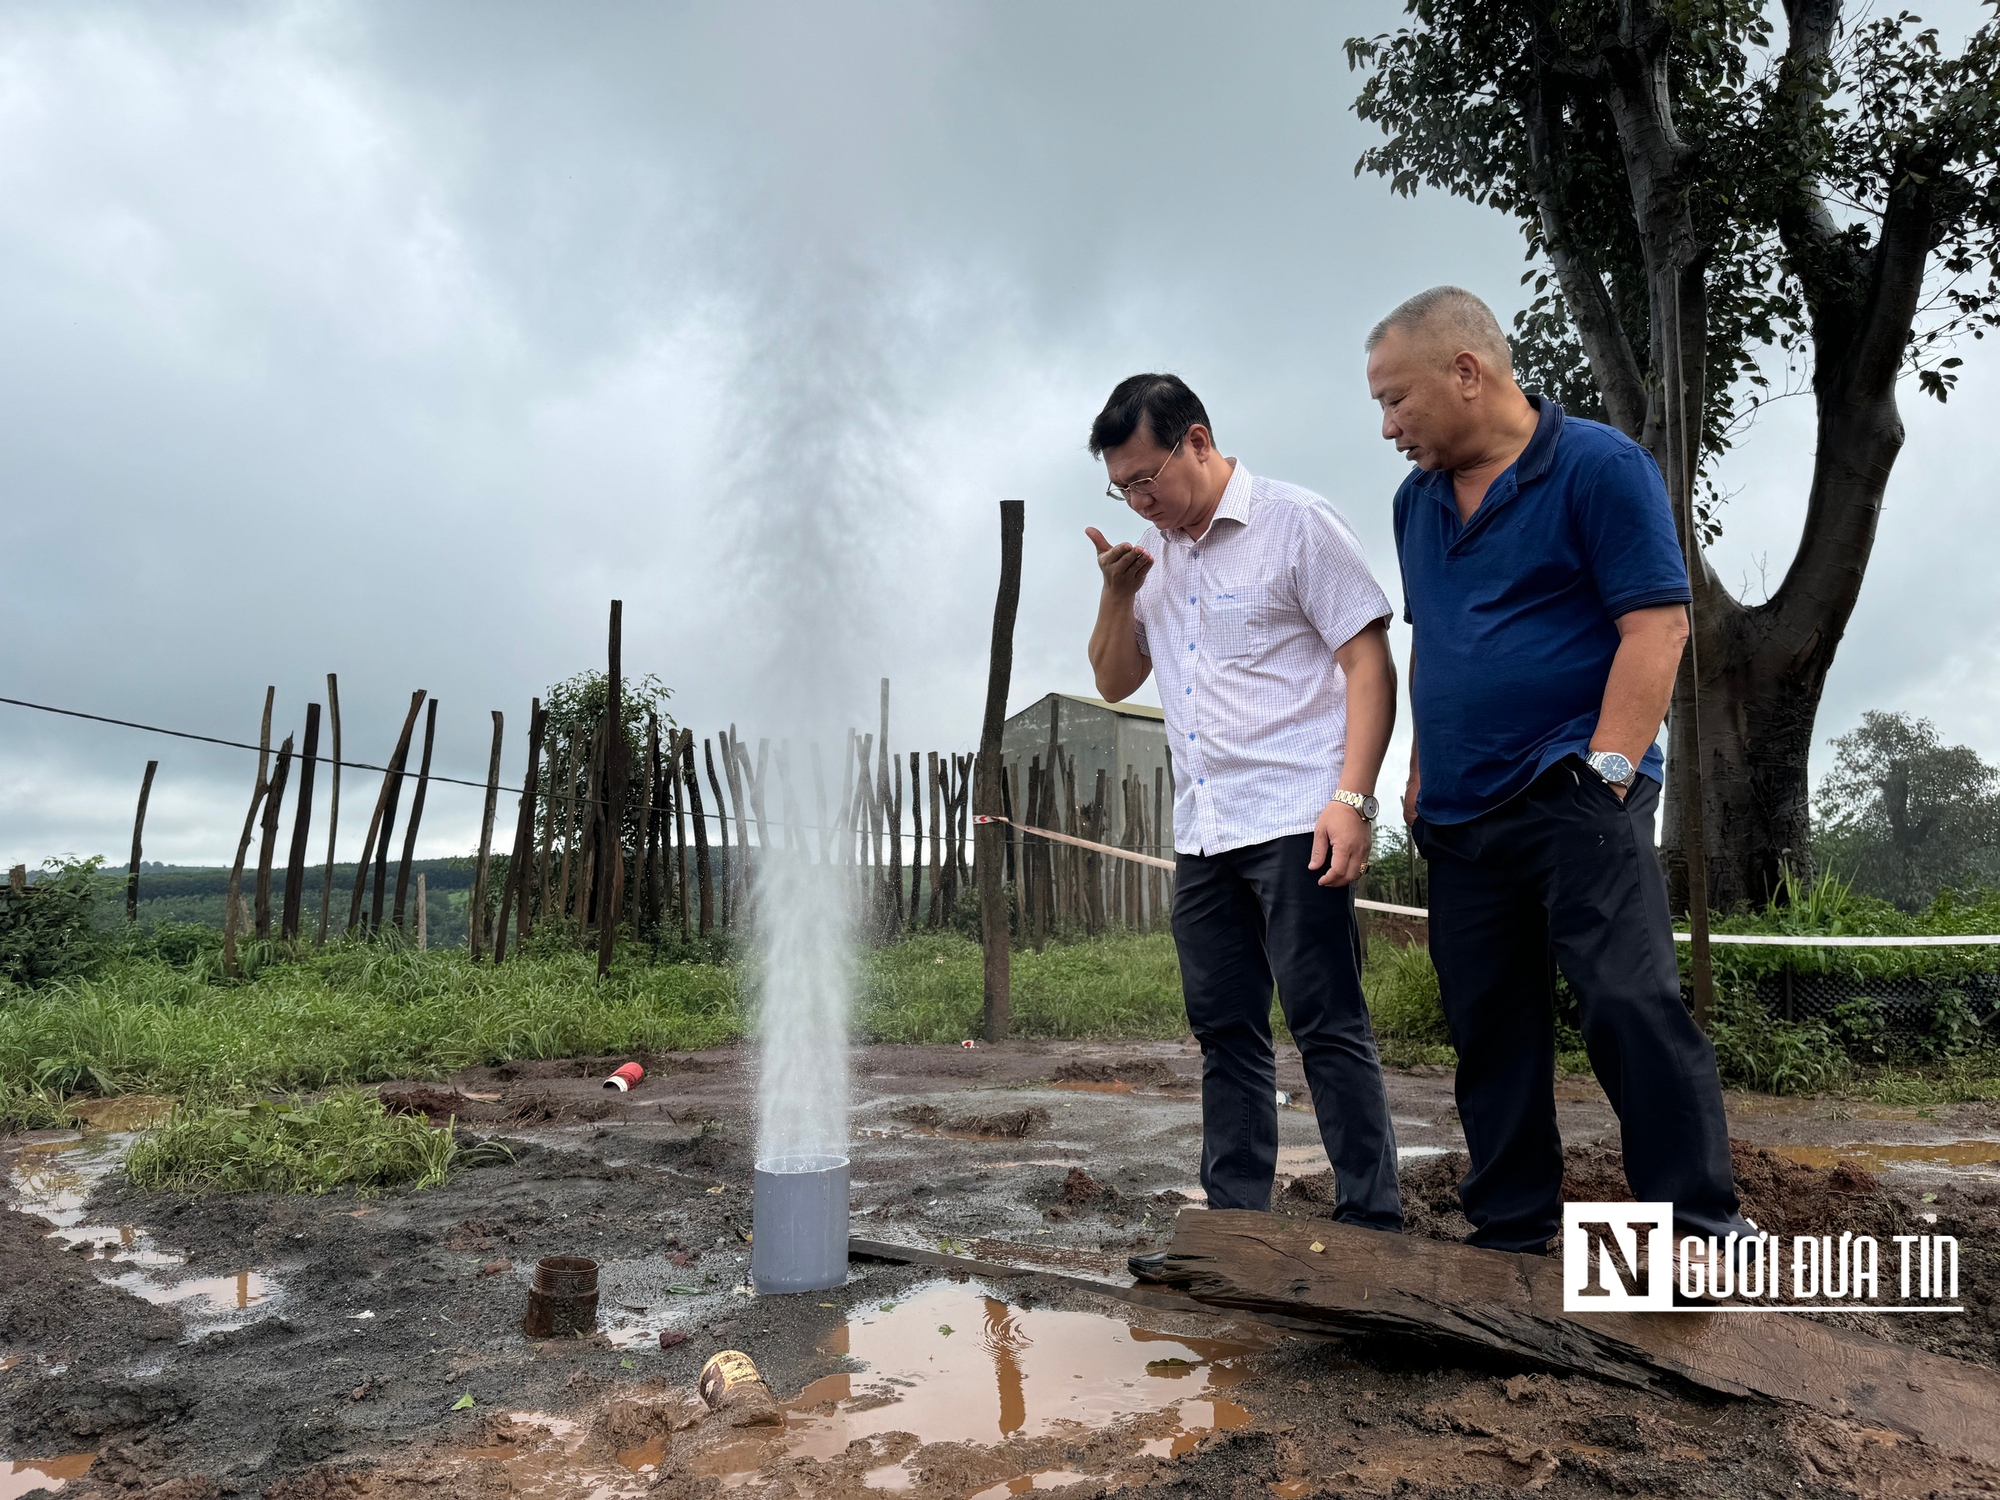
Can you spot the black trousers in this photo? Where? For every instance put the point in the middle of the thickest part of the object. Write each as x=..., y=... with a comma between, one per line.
x=1242, y=919
x=1564, y=876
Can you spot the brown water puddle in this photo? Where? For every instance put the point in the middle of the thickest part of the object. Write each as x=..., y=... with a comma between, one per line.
x=21, y=1475
x=54, y=1177
x=126, y=1112
x=1969, y=1158
x=951, y=1364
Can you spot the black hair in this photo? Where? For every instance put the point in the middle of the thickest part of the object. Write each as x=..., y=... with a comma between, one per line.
x=1162, y=402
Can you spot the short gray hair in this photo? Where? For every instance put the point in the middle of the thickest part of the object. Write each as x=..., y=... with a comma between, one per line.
x=1449, y=314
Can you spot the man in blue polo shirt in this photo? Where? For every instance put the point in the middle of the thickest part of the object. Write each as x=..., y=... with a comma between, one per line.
x=1546, y=589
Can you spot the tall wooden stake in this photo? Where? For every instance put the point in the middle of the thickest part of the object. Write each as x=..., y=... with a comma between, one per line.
x=703, y=873
x=274, y=801
x=232, y=904
x=416, y=812
x=138, y=838
x=476, y=917
x=616, y=764
x=381, y=800
x=332, y=808
x=302, y=806
x=522, y=862
x=993, y=836
x=1701, y=973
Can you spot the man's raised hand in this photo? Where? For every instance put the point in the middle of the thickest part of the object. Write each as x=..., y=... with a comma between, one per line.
x=1124, y=566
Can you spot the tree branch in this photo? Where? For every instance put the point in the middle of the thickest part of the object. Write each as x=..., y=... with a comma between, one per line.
x=1612, y=362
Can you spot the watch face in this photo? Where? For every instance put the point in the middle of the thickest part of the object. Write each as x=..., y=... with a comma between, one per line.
x=1611, y=766
x=1370, y=807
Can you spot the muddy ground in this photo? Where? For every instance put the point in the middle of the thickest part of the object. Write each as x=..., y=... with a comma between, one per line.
x=305, y=1347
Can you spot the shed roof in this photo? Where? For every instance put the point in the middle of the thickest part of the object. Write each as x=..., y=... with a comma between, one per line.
x=1126, y=710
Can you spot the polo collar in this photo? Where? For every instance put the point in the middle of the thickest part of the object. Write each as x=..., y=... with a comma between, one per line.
x=1540, y=453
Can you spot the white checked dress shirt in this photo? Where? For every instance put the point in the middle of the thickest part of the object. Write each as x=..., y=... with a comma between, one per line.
x=1241, y=627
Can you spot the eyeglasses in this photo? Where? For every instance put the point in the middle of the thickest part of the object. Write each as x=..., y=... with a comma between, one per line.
x=1123, y=493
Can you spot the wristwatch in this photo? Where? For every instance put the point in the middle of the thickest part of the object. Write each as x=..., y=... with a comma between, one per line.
x=1612, y=766
x=1361, y=802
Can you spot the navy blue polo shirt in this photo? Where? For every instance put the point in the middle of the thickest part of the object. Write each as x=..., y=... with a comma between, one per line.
x=1514, y=610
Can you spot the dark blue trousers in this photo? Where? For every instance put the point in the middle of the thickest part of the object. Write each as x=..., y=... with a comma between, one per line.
x=1565, y=876
x=1242, y=920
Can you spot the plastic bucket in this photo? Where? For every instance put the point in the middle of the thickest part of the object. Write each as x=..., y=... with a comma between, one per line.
x=799, y=1239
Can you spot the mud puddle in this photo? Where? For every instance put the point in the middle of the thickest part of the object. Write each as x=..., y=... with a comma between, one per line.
x=54, y=1177
x=1979, y=1159
x=20, y=1476
x=951, y=1363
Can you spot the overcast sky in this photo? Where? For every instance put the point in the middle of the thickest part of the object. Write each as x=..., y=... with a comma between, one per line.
x=396, y=340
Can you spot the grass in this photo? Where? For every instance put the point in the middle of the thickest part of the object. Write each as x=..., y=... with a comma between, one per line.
x=344, y=1140
x=362, y=1013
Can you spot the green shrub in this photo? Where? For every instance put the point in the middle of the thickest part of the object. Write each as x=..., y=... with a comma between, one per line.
x=46, y=931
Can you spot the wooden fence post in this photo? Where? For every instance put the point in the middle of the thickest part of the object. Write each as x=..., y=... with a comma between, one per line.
x=302, y=806
x=993, y=836
x=138, y=838
x=416, y=811
x=423, y=915
x=520, y=864
x=232, y=904
x=722, y=824
x=332, y=808
x=476, y=915
x=381, y=800
x=274, y=801
x=701, y=866
x=649, y=887
x=617, y=762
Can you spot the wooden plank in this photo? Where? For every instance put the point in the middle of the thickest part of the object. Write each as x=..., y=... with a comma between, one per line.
x=416, y=813
x=917, y=838
x=138, y=840
x=1460, y=1301
x=302, y=807
x=332, y=808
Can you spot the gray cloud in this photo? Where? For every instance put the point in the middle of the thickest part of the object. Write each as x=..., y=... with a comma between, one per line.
x=395, y=340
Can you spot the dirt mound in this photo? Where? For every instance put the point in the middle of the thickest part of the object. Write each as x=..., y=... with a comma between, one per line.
x=435, y=1104
x=1008, y=1125
x=542, y=1106
x=1143, y=1072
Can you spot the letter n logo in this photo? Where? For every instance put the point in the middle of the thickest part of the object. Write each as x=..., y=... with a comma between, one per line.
x=1617, y=1257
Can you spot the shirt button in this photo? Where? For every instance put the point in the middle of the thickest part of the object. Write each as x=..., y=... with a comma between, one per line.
x=1192, y=599
x=1201, y=781
x=1190, y=690
x=1190, y=645
x=1190, y=736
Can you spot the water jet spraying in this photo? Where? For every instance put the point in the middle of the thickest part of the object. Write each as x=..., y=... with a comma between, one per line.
x=799, y=1243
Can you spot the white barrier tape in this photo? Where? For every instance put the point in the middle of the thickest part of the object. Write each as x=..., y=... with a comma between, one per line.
x=1788, y=940
x=1167, y=864
x=1066, y=838
x=1764, y=940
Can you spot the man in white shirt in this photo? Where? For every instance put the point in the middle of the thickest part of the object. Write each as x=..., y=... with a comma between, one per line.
x=1250, y=600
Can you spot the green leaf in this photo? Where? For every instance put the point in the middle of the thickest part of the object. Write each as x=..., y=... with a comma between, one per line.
x=463, y=1403
x=945, y=1329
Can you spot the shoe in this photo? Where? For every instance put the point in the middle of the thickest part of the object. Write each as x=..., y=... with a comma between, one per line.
x=1151, y=1267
